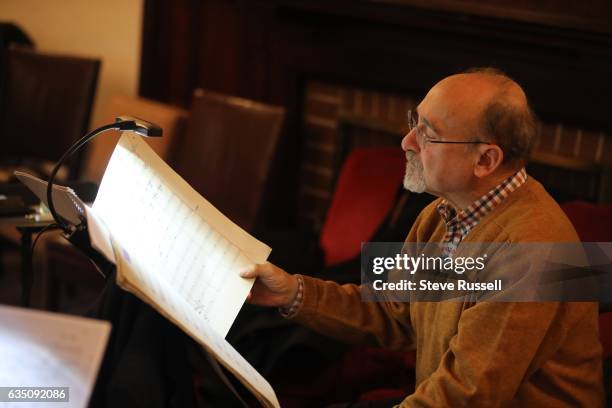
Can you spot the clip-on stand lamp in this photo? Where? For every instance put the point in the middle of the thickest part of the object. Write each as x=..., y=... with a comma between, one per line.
x=122, y=123
x=77, y=234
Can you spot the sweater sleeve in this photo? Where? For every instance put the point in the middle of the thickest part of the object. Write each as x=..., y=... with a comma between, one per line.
x=339, y=311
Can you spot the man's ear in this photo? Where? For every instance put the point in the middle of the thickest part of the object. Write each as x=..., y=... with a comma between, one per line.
x=490, y=157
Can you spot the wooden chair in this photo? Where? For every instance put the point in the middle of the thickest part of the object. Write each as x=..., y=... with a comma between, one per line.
x=45, y=105
x=172, y=120
x=228, y=151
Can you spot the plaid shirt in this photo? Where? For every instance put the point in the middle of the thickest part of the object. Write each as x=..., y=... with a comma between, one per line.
x=459, y=224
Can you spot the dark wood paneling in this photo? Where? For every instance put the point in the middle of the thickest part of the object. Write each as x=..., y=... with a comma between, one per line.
x=561, y=52
x=594, y=16
x=169, y=48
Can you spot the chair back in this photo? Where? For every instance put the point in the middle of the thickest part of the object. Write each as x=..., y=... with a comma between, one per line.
x=365, y=192
x=171, y=119
x=228, y=151
x=45, y=104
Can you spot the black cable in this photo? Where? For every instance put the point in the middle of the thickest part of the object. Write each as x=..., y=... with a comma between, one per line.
x=46, y=228
x=76, y=146
x=123, y=123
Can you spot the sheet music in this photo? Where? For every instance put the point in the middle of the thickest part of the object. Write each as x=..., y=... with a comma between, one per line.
x=50, y=350
x=99, y=235
x=157, y=218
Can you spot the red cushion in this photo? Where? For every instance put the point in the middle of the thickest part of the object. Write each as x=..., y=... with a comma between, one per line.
x=593, y=222
x=365, y=192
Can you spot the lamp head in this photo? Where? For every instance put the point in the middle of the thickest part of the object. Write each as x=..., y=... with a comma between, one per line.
x=139, y=126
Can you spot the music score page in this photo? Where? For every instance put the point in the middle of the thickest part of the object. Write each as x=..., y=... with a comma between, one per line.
x=169, y=230
x=176, y=252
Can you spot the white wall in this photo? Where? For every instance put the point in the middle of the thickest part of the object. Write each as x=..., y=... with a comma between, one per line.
x=107, y=29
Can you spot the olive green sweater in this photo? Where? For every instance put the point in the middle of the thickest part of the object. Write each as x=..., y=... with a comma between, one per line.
x=478, y=354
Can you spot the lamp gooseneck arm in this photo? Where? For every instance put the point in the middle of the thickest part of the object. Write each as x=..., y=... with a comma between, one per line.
x=76, y=146
x=122, y=123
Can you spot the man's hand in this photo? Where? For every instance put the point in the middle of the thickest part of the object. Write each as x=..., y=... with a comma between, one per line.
x=273, y=287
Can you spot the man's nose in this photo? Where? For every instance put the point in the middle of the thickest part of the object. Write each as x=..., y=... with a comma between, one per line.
x=409, y=142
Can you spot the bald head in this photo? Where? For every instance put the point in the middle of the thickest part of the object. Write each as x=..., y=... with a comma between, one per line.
x=492, y=107
x=487, y=85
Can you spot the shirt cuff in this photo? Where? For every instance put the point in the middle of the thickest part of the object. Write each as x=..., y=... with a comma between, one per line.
x=297, y=302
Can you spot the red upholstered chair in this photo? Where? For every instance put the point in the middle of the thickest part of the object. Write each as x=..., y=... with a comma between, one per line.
x=364, y=194
x=593, y=222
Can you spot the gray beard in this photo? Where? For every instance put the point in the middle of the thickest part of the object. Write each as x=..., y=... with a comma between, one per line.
x=414, y=179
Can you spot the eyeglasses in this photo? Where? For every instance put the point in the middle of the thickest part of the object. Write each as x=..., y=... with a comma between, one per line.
x=422, y=138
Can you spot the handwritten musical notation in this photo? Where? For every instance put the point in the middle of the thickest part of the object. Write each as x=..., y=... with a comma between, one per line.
x=171, y=235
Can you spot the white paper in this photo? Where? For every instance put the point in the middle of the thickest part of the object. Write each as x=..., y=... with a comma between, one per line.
x=157, y=218
x=42, y=349
x=99, y=236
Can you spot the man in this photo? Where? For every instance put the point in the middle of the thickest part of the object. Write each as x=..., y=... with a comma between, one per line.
x=468, y=146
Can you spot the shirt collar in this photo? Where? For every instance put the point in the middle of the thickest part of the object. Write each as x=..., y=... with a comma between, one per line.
x=468, y=218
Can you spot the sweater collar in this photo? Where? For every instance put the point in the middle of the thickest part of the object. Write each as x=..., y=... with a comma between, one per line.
x=459, y=223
